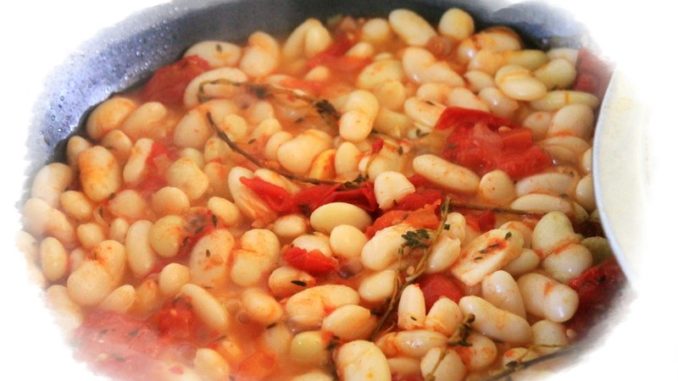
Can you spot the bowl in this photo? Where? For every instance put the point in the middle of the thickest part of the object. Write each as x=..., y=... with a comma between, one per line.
x=124, y=55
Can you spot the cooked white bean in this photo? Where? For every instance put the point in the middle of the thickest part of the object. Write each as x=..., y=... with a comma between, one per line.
x=456, y=23
x=558, y=73
x=463, y=97
x=140, y=255
x=209, y=259
x=521, y=86
x=411, y=308
x=309, y=348
x=481, y=353
x=566, y=53
x=53, y=259
x=167, y=235
x=68, y=314
x=486, y=254
x=191, y=94
x=74, y=147
x=307, y=308
x=347, y=241
x=382, y=249
x=444, y=317
x=119, y=144
x=557, y=99
x=323, y=165
x=216, y=53
x=89, y=284
x=500, y=289
x=145, y=121
x=586, y=161
x=119, y=300
x=50, y=181
x=210, y=365
x=410, y=27
x=424, y=114
x=192, y=130
x=487, y=60
x=497, y=187
x=90, y=234
x=445, y=174
x=296, y=155
x=260, y=306
x=76, y=205
x=553, y=231
x=575, y=119
x=108, y=115
x=421, y=66
x=517, y=355
x=359, y=111
x=548, y=336
x=187, y=176
x=149, y=297
x=346, y=159
x=568, y=263
x=290, y=226
x=553, y=183
x=261, y=56
x=314, y=375
x=494, y=322
x=249, y=267
x=542, y=203
x=207, y=308
x=118, y=230
x=528, y=58
x=380, y=72
x=285, y=281
x=247, y=201
x=478, y=80
x=391, y=94
x=172, y=277
x=226, y=211
x=378, y=286
x=376, y=31
x=584, y=193
x=362, y=360
x=390, y=187
x=41, y=219
x=308, y=39
x=277, y=339
x=544, y=297
x=350, y=322
x=100, y=174
x=538, y=122
x=444, y=253
x=442, y=365
x=331, y=215
x=136, y=167
x=128, y=204
x=527, y=261
x=169, y=200
x=498, y=103
x=111, y=255
x=413, y=343
x=404, y=366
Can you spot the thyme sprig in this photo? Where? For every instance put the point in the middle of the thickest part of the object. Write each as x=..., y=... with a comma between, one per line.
x=520, y=365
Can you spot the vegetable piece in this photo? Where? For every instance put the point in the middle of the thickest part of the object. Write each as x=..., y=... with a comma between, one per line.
x=482, y=221
x=334, y=57
x=421, y=218
x=168, y=83
x=157, y=161
x=276, y=197
x=313, y=262
x=596, y=288
x=435, y=286
x=258, y=366
x=420, y=198
x=176, y=319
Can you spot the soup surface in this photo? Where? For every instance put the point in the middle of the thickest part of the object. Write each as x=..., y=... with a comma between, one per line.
x=365, y=199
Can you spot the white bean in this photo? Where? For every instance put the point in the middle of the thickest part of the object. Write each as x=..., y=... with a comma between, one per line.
x=145, y=121
x=140, y=255
x=380, y=72
x=421, y=66
x=498, y=103
x=486, y=254
x=542, y=203
x=346, y=159
x=544, y=297
x=530, y=59
x=76, y=205
x=362, y=360
x=216, y=53
x=277, y=339
x=410, y=27
x=413, y=343
x=444, y=253
x=424, y=114
x=445, y=174
x=404, y=366
x=442, y=365
x=575, y=119
x=108, y=115
x=100, y=174
x=89, y=284
x=53, y=259
x=347, y=241
x=128, y=204
x=187, y=176
x=119, y=300
x=191, y=94
x=527, y=261
x=382, y=249
x=323, y=165
x=260, y=306
x=566, y=53
x=568, y=263
x=558, y=73
x=378, y=286
x=307, y=308
x=308, y=39
x=111, y=255
x=285, y=281
x=349, y=322
x=210, y=365
x=481, y=353
x=444, y=316
x=463, y=97
x=296, y=155
x=548, y=336
x=390, y=187
x=557, y=99
x=497, y=187
x=261, y=56
x=247, y=201
x=500, y=289
x=552, y=232
x=207, y=308
x=169, y=200
x=90, y=234
x=41, y=219
x=226, y=211
x=456, y=23
x=50, y=181
x=584, y=193
x=172, y=277
x=494, y=322
x=359, y=111
x=376, y=30
x=478, y=80
x=309, y=348
x=74, y=147
x=331, y=215
x=538, y=122
x=411, y=308
x=249, y=267
x=290, y=226
x=553, y=183
x=209, y=259
x=119, y=144
x=192, y=130
x=391, y=95
x=136, y=167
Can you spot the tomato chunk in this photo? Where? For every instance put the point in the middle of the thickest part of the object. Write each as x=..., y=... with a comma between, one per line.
x=276, y=197
x=256, y=367
x=176, y=319
x=482, y=221
x=435, y=286
x=335, y=59
x=313, y=262
x=168, y=83
x=424, y=218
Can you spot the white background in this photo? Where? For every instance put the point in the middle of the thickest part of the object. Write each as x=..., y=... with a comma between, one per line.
x=640, y=36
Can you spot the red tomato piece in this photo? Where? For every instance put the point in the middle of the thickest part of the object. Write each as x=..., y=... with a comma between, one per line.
x=257, y=367
x=118, y=345
x=435, y=286
x=158, y=159
x=313, y=262
x=377, y=145
x=596, y=288
x=425, y=218
x=334, y=56
x=362, y=197
x=516, y=139
x=309, y=199
x=482, y=221
x=168, y=83
x=276, y=197
x=420, y=198
x=525, y=163
x=176, y=319
x=459, y=117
